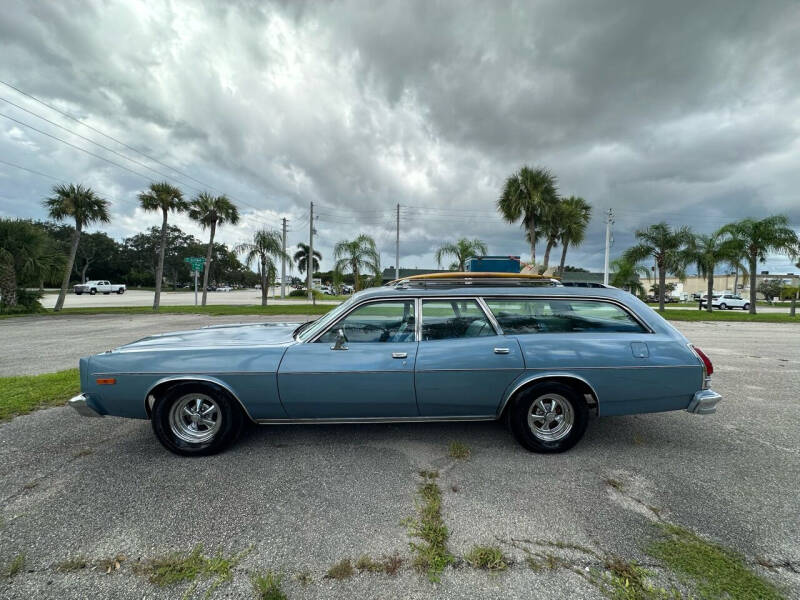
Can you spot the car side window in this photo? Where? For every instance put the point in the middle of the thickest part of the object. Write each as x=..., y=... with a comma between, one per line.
x=561, y=316
x=450, y=319
x=375, y=322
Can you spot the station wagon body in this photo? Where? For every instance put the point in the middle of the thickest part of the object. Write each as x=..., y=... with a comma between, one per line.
x=543, y=357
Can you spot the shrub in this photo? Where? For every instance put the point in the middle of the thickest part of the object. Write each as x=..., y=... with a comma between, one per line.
x=304, y=294
x=27, y=302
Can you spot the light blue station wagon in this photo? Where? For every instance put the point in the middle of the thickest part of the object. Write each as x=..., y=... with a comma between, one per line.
x=534, y=353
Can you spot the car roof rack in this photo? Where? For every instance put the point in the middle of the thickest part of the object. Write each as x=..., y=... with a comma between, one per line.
x=477, y=279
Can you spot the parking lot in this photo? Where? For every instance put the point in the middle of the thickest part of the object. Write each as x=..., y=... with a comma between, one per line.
x=297, y=499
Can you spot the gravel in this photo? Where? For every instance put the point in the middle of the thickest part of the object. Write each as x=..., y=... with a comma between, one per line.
x=304, y=497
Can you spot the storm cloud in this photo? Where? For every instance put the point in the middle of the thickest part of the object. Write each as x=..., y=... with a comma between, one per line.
x=678, y=111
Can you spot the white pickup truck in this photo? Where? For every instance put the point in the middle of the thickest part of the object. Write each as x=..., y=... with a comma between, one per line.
x=104, y=287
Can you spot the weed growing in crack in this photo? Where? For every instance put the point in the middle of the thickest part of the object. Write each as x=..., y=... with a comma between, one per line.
x=341, y=570
x=267, y=586
x=490, y=558
x=431, y=555
x=458, y=450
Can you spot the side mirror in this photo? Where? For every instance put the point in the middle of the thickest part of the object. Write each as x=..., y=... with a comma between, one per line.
x=341, y=341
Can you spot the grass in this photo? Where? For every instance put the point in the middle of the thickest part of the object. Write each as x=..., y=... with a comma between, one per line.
x=728, y=316
x=304, y=578
x=268, y=586
x=431, y=555
x=187, y=566
x=715, y=571
x=26, y=393
x=623, y=580
x=490, y=558
x=73, y=564
x=16, y=565
x=388, y=564
x=213, y=310
x=341, y=570
x=458, y=450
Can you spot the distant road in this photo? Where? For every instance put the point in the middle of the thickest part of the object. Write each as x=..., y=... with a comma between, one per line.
x=145, y=298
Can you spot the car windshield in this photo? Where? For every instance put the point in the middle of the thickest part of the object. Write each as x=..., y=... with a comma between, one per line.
x=321, y=323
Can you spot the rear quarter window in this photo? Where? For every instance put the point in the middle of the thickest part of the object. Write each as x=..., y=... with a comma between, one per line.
x=560, y=315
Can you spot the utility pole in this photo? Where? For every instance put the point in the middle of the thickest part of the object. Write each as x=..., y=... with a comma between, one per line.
x=609, y=222
x=397, y=246
x=310, y=257
x=283, y=263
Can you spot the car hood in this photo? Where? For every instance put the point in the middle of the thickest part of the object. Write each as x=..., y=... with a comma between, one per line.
x=258, y=334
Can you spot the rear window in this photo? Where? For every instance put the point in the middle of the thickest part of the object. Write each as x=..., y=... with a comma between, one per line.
x=561, y=316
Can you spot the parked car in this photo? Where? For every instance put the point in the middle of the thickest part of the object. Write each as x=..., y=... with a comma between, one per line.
x=224, y=288
x=726, y=301
x=99, y=285
x=541, y=358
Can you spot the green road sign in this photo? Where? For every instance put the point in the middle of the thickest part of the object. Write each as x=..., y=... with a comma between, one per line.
x=195, y=263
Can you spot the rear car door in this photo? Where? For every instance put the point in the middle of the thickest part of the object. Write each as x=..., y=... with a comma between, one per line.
x=369, y=373
x=463, y=365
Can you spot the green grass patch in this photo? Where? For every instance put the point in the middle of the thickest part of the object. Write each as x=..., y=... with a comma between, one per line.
x=714, y=571
x=268, y=586
x=458, y=450
x=431, y=555
x=490, y=558
x=341, y=570
x=181, y=567
x=15, y=566
x=725, y=315
x=388, y=564
x=213, y=310
x=26, y=393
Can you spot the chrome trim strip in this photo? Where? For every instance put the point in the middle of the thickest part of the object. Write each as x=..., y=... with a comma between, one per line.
x=550, y=375
x=213, y=380
x=497, y=329
x=218, y=373
x=704, y=402
x=615, y=367
x=364, y=303
x=356, y=420
x=83, y=409
x=345, y=372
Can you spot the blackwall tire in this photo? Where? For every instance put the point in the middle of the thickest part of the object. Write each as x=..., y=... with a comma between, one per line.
x=196, y=419
x=548, y=417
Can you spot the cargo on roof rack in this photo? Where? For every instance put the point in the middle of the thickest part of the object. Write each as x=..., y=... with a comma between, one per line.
x=458, y=279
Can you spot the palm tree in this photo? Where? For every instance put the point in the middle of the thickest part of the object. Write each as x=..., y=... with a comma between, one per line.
x=266, y=246
x=526, y=196
x=359, y=255
x=301, y=258
x=27, y=254
x=82, y=205
x=461, y=251
x=575, y=216
x=211, y=212
x=707, y=251
x=760, y=238
x=164, y=197
x=667, y=246
x=626, y=275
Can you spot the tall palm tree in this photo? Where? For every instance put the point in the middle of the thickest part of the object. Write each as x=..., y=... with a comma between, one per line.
x=266, y=246
x=85, y=207
x=575, y=216
x=626, y=275
x=301, y=258
x=760, y=238
x=667, y=246
x=164, y=197
x=707, y=251
x=526, y=195
x=212, y=212
x=461, y=250
x=359, y=256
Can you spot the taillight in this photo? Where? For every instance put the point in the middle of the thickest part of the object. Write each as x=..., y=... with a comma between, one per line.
x=709, y=368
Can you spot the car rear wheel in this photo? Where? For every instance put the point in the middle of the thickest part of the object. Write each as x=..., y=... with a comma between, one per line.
x=746, y=306
x=121, y=291
x=723, y=306
x=196, y=419
x=549, y=417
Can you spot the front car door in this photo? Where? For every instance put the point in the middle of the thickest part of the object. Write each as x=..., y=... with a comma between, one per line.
x=463, y=365
x=367, y=372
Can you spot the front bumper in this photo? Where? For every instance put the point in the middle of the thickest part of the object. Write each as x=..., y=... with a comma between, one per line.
x=704, y=402
x=79, y=403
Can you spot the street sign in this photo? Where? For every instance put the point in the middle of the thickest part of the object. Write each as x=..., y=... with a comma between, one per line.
x=195, y=263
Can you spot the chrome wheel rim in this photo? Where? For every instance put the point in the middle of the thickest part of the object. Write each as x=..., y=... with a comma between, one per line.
x=550, y=417
x=195, y=418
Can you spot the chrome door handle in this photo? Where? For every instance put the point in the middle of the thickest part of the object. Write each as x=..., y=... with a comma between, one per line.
x=501, y=350
x=399, y=354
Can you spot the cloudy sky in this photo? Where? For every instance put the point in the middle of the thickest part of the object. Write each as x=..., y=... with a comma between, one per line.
x=687, y=112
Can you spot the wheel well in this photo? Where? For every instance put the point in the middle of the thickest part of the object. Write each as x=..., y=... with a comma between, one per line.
x=581, y=386
x=165, y=386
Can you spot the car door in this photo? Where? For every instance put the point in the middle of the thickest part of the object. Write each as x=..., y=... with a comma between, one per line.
x=463, y=365
x=367, y=373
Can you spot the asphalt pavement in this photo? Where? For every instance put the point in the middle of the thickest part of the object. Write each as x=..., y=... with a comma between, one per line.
x=301, y=498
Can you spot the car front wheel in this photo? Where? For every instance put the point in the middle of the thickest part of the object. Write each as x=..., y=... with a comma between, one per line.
x=196, y=419
x=93, y=291
x=120, y=291
x=746, y=306
x=723, y=306
x=549, y=417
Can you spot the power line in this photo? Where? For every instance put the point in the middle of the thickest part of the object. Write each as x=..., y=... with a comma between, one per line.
x=35, y=172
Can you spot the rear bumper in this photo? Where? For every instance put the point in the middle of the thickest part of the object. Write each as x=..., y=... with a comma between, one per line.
x=704, y=402
x=79, y=404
